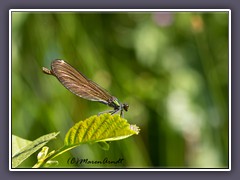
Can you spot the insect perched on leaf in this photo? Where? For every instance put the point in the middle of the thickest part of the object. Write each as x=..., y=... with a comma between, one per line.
x=78, y=84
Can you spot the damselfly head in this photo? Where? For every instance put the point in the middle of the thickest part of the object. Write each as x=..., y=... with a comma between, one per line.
x=125, y=106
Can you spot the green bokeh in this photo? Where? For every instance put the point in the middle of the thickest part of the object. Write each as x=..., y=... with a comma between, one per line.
x=171, y=68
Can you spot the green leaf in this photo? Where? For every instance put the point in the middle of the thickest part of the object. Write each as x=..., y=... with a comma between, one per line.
x=31, y=148
x=104, y=145
x=105, y=127
x=18, y=144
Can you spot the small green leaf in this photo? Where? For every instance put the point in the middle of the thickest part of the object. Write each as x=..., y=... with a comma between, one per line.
x=105, y=127
x=42, y=156
x=43, y=153
x=104, y=145
x=18, y=144
x=31, y=148
x=51, y=163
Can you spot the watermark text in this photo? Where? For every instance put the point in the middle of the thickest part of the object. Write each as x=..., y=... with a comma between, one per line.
x=81, y=161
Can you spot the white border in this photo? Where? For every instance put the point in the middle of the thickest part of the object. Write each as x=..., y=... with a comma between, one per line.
x=229, y=88
x=116, y=10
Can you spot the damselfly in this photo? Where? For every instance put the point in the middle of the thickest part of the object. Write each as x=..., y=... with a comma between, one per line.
x=80, y=85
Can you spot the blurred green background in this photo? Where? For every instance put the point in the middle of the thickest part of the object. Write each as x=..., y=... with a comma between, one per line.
x=170, y=67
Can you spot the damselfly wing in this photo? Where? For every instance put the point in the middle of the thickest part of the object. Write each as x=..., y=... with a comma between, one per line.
x=83, y=87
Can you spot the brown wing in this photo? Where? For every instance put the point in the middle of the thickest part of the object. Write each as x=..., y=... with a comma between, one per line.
x=77, y=83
